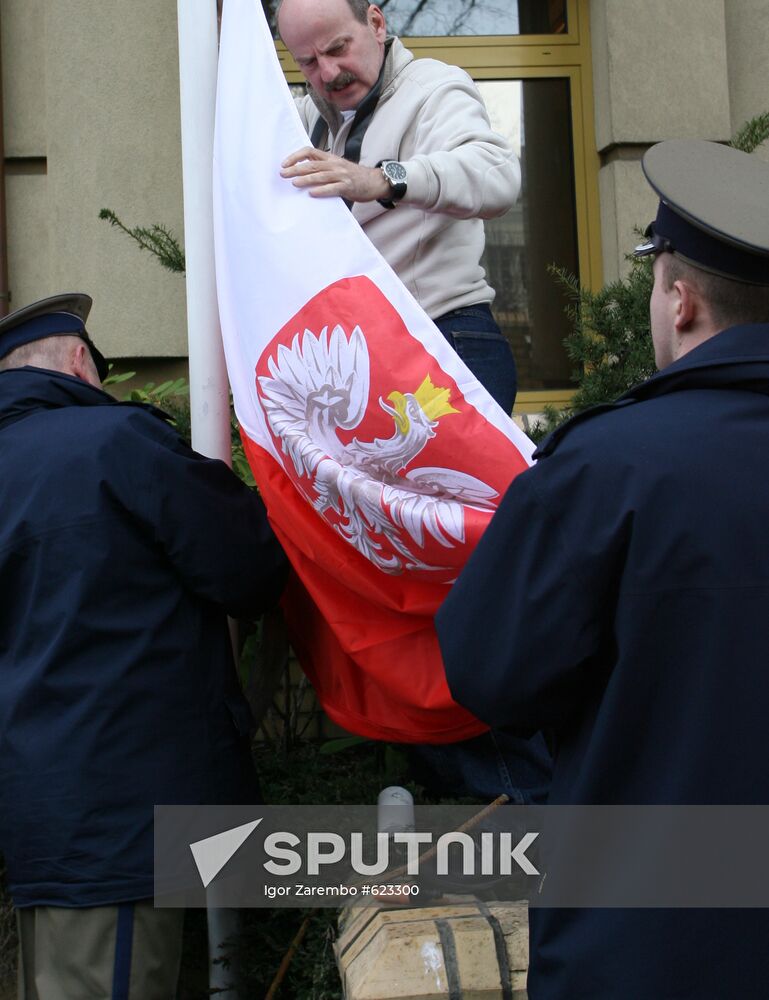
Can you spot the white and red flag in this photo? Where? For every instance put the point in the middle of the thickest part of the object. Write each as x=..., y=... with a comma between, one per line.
x=380, y=457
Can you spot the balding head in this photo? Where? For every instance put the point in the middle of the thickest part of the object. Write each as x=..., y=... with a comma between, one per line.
x=359, y=10
x=337, y=44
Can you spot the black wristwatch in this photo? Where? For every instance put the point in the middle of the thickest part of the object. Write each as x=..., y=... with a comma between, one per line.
x=395, y=175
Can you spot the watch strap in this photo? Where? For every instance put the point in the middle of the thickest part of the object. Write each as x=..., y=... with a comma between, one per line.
x=398, y=188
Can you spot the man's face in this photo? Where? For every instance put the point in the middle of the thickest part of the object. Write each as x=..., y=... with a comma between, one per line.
x=662, y=315
x=339, y=56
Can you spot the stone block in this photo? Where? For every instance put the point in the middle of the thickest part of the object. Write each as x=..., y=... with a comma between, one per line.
x=660, y=70
x=418, y=954
x=627, y=203
x=113, y=140
x=747, y=36
x=24, y=84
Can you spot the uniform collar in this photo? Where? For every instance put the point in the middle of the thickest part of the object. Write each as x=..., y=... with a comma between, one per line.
x=26, y=390
x=736, y=357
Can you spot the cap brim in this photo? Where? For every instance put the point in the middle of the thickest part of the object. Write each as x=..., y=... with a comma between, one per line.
x=715, y=188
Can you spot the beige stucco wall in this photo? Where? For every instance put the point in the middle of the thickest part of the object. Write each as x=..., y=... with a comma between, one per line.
x=747, y=24
x=91, y=120
x=27, y=226
x=91, y=106
x=23, y=55
x=661, y=70
x=627, y=204
x=664, y=70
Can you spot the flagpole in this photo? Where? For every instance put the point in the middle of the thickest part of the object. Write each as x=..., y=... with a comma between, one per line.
x=209, y=389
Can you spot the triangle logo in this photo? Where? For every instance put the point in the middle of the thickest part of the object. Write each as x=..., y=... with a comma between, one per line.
x=213, y=853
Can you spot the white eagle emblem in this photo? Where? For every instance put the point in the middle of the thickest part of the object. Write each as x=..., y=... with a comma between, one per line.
x=320, y=386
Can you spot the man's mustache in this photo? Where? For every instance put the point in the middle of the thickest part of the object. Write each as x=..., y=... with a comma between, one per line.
x=342, y=81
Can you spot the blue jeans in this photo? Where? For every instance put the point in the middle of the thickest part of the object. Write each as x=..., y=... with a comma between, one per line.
x=484, y=767
x=475, y=336
x=493, y=763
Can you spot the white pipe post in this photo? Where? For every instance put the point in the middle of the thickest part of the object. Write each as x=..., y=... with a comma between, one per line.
x=209, y=389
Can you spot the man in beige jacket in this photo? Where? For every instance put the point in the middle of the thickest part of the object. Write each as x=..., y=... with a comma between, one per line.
x=408, y=144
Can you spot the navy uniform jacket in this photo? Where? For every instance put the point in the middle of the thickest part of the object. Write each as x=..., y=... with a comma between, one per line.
x=121, y=553
x=620, y=599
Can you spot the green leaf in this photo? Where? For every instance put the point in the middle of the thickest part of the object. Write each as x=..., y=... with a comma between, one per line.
x=114, y=379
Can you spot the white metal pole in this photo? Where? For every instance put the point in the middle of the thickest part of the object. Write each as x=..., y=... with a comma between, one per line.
x=209, y=389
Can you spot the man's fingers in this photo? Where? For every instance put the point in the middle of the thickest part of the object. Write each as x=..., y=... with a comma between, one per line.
x=320, y=188
x=329, y=191
x=305, y=153
x=324, y=175
x=326, y=184
x=305, y=168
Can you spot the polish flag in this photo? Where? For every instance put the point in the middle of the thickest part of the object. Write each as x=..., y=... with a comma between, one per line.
x=380, y=458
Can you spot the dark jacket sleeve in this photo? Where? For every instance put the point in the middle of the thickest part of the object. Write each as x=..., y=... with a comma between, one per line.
x=213, y=529
x=528, y=624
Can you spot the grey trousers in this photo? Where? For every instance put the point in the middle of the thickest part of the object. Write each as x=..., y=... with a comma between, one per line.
x=126, y=952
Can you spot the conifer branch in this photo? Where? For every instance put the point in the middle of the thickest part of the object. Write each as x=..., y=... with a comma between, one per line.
x=158, y=239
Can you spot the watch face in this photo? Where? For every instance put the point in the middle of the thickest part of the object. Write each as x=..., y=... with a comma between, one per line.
x=394, y=172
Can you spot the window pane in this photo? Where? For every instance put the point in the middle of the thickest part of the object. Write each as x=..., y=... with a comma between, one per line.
x=539, y=231
x=418, y=18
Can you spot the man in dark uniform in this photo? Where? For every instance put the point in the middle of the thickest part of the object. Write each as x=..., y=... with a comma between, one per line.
x=122, y=552
x=620, y=597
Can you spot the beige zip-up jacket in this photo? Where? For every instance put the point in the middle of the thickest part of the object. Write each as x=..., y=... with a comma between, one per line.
x=431, y=118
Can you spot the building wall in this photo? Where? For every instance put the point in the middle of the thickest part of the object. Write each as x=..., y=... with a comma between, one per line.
x=91, y=120
x=747, y=45
x=665, y=69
